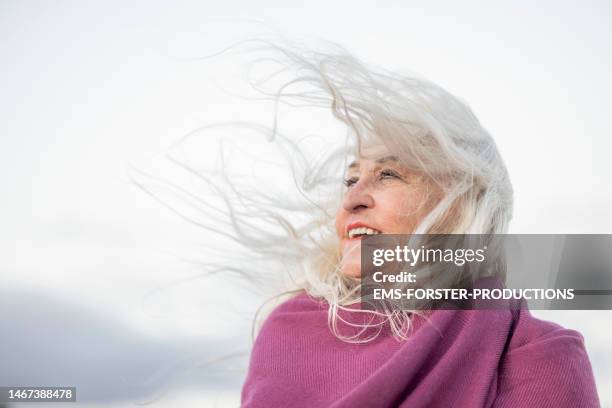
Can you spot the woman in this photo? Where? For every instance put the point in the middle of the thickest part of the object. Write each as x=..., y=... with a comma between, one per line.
x=416, y=161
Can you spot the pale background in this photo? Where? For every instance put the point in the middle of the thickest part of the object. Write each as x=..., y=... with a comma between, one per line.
x=88, y=87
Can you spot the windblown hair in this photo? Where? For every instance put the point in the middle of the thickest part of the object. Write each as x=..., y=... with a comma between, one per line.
x=428, y=129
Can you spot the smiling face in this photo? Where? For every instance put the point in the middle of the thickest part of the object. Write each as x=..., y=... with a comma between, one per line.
x=382, y=196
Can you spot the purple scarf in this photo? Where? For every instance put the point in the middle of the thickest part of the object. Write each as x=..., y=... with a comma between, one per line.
x=481, y=358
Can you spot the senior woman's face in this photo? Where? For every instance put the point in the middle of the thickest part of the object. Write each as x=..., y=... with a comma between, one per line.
x=382, y=196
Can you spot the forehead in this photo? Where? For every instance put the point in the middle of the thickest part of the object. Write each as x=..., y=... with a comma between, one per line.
x=355, y=164
x=373, y=153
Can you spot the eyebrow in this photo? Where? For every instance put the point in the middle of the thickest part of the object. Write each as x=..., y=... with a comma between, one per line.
x=355, y=164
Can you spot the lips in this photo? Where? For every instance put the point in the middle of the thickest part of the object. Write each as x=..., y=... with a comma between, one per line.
x=357, y=230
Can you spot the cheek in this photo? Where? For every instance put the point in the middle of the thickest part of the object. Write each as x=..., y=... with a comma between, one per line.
x=401, y=211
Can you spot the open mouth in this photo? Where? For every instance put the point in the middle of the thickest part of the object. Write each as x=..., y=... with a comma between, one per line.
x=359, y=232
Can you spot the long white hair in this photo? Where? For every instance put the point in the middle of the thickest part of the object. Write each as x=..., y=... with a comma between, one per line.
x=428, y=129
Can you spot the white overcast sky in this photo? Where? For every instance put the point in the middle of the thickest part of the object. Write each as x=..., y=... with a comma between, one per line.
x=87, y=87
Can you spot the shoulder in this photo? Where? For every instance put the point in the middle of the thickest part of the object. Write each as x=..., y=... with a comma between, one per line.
x=529, y=332
x=300, y=302
x=546, y=364
x=296, y=311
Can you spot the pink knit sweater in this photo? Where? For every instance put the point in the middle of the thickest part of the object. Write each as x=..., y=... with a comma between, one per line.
x=456, y=358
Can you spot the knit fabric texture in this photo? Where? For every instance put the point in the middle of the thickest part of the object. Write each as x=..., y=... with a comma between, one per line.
x=452, y=358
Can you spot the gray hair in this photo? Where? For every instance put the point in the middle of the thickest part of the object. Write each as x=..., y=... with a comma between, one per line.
x=426, y=127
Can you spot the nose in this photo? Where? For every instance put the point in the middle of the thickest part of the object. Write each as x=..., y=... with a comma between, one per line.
x=358, y=198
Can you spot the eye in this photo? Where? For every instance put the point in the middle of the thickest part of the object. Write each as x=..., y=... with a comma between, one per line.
x=389, y=174
x=350, y=181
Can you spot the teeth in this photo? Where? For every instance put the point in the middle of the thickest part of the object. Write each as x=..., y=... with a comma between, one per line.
x=362, y=231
